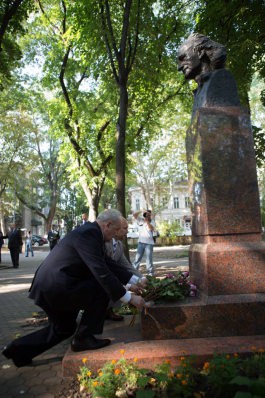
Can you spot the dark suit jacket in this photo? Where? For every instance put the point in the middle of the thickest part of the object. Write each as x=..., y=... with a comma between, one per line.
x=76, y=268
x=15, y=239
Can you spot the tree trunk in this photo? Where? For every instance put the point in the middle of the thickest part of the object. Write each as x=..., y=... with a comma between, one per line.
x=120, y=149
x=93, y=197
x=51, y=214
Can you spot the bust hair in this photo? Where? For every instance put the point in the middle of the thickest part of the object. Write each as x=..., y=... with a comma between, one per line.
x=109, y=215
x=214, y=52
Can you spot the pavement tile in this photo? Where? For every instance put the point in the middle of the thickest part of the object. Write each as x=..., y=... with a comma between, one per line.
x=37, y=390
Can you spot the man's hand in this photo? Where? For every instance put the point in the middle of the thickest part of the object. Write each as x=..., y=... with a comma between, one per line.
x=136, y=289
x=142, y=283
x=137, y=301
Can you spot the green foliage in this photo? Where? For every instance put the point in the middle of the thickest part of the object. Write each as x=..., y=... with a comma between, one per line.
x=259, y=145
x=68, y=39
x=167, y=229
x=12, y=16
x=239, y=25
x=223, y=376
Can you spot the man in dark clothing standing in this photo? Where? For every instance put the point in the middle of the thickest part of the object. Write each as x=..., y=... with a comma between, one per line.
x=53, y=237
x=14, y=244
x=76, y=276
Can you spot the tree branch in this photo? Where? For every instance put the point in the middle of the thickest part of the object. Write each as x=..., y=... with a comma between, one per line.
x=131, y=59
x=8, y=15
x=104, y=28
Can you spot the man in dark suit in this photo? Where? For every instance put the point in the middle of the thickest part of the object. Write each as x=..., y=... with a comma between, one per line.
x=15, y=243
x=115, y=250
x=76, y=276
x=84, y=218
x=53, y=237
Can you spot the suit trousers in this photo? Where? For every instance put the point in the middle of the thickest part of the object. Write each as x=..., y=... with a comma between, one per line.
x=62, y=325
x=14, y=253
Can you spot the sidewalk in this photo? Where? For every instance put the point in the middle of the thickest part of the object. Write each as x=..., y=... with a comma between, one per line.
x=43, y=379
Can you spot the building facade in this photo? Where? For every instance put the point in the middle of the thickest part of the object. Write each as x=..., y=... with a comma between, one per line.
x=171, y=206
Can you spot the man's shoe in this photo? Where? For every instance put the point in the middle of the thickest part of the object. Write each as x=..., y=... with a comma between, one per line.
x=9, y=352
x=112, y=316
x=88, y=343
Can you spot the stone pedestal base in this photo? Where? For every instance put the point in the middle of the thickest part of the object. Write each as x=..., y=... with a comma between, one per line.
x=230, y=274
x=226, y=315
x=228, y=265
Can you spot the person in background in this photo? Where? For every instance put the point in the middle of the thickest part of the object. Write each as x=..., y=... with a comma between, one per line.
x=28, y=245
x=76, y=276
x=2, y=237
x=14, y=244
x=53, y=237
x=145, y=241
x=84, y=218
x=115, y=250
x=21, y=246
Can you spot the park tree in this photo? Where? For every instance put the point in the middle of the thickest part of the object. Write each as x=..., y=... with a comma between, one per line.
x=12, y=15
x=158, y=168
x=44, y=173
x=79, y=46
x=13, y=143
x=137, y=40
x=110, y=70
x=79, y=115
x=30, y=166
x=42, y=183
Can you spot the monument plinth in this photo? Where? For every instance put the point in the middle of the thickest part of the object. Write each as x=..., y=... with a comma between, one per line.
x=227, y=255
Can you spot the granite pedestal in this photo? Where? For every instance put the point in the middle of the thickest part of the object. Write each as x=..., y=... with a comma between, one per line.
x=227, y=255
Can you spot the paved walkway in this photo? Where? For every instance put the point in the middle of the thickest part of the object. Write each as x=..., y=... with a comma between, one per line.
x=43, y=378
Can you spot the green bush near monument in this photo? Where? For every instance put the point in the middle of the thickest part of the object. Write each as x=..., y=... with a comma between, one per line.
x=224, y=375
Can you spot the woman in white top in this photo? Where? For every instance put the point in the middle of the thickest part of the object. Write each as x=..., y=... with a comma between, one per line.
x=28, y=245
x=145, y=241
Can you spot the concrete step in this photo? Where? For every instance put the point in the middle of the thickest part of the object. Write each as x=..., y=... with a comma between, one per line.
x=149, y=353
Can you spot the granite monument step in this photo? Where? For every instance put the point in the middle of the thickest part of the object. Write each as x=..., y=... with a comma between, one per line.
x=149, y=353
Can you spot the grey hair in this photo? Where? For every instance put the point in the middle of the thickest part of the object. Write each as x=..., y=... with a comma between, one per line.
x=215, y=52
x=109, y=215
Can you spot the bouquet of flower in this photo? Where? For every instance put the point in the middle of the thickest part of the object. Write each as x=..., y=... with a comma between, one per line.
x=170, y=288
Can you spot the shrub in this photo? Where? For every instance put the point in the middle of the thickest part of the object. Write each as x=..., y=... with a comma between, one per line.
x=224, y=376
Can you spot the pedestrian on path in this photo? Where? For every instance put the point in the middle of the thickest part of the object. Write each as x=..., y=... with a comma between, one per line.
x=53, y=237
x=76, y=275
x=2, y=237
x=14, y=244
x=145, y=241
x=28, y=245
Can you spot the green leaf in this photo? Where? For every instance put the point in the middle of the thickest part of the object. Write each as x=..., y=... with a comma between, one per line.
x=241, y=381
x=145, y=394
x=241, y=394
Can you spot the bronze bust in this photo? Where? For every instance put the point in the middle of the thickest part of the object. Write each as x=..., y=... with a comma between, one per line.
x=203, y=60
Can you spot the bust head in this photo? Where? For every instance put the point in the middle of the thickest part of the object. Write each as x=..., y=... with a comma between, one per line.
x=199, y=55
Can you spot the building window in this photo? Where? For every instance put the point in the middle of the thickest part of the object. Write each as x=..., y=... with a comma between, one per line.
x=164, y=201
x=176, y=203
x=137, y=204
x=187, y=224
x=187, y=202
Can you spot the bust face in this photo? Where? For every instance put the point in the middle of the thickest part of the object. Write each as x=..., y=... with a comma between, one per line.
x=189, y=61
